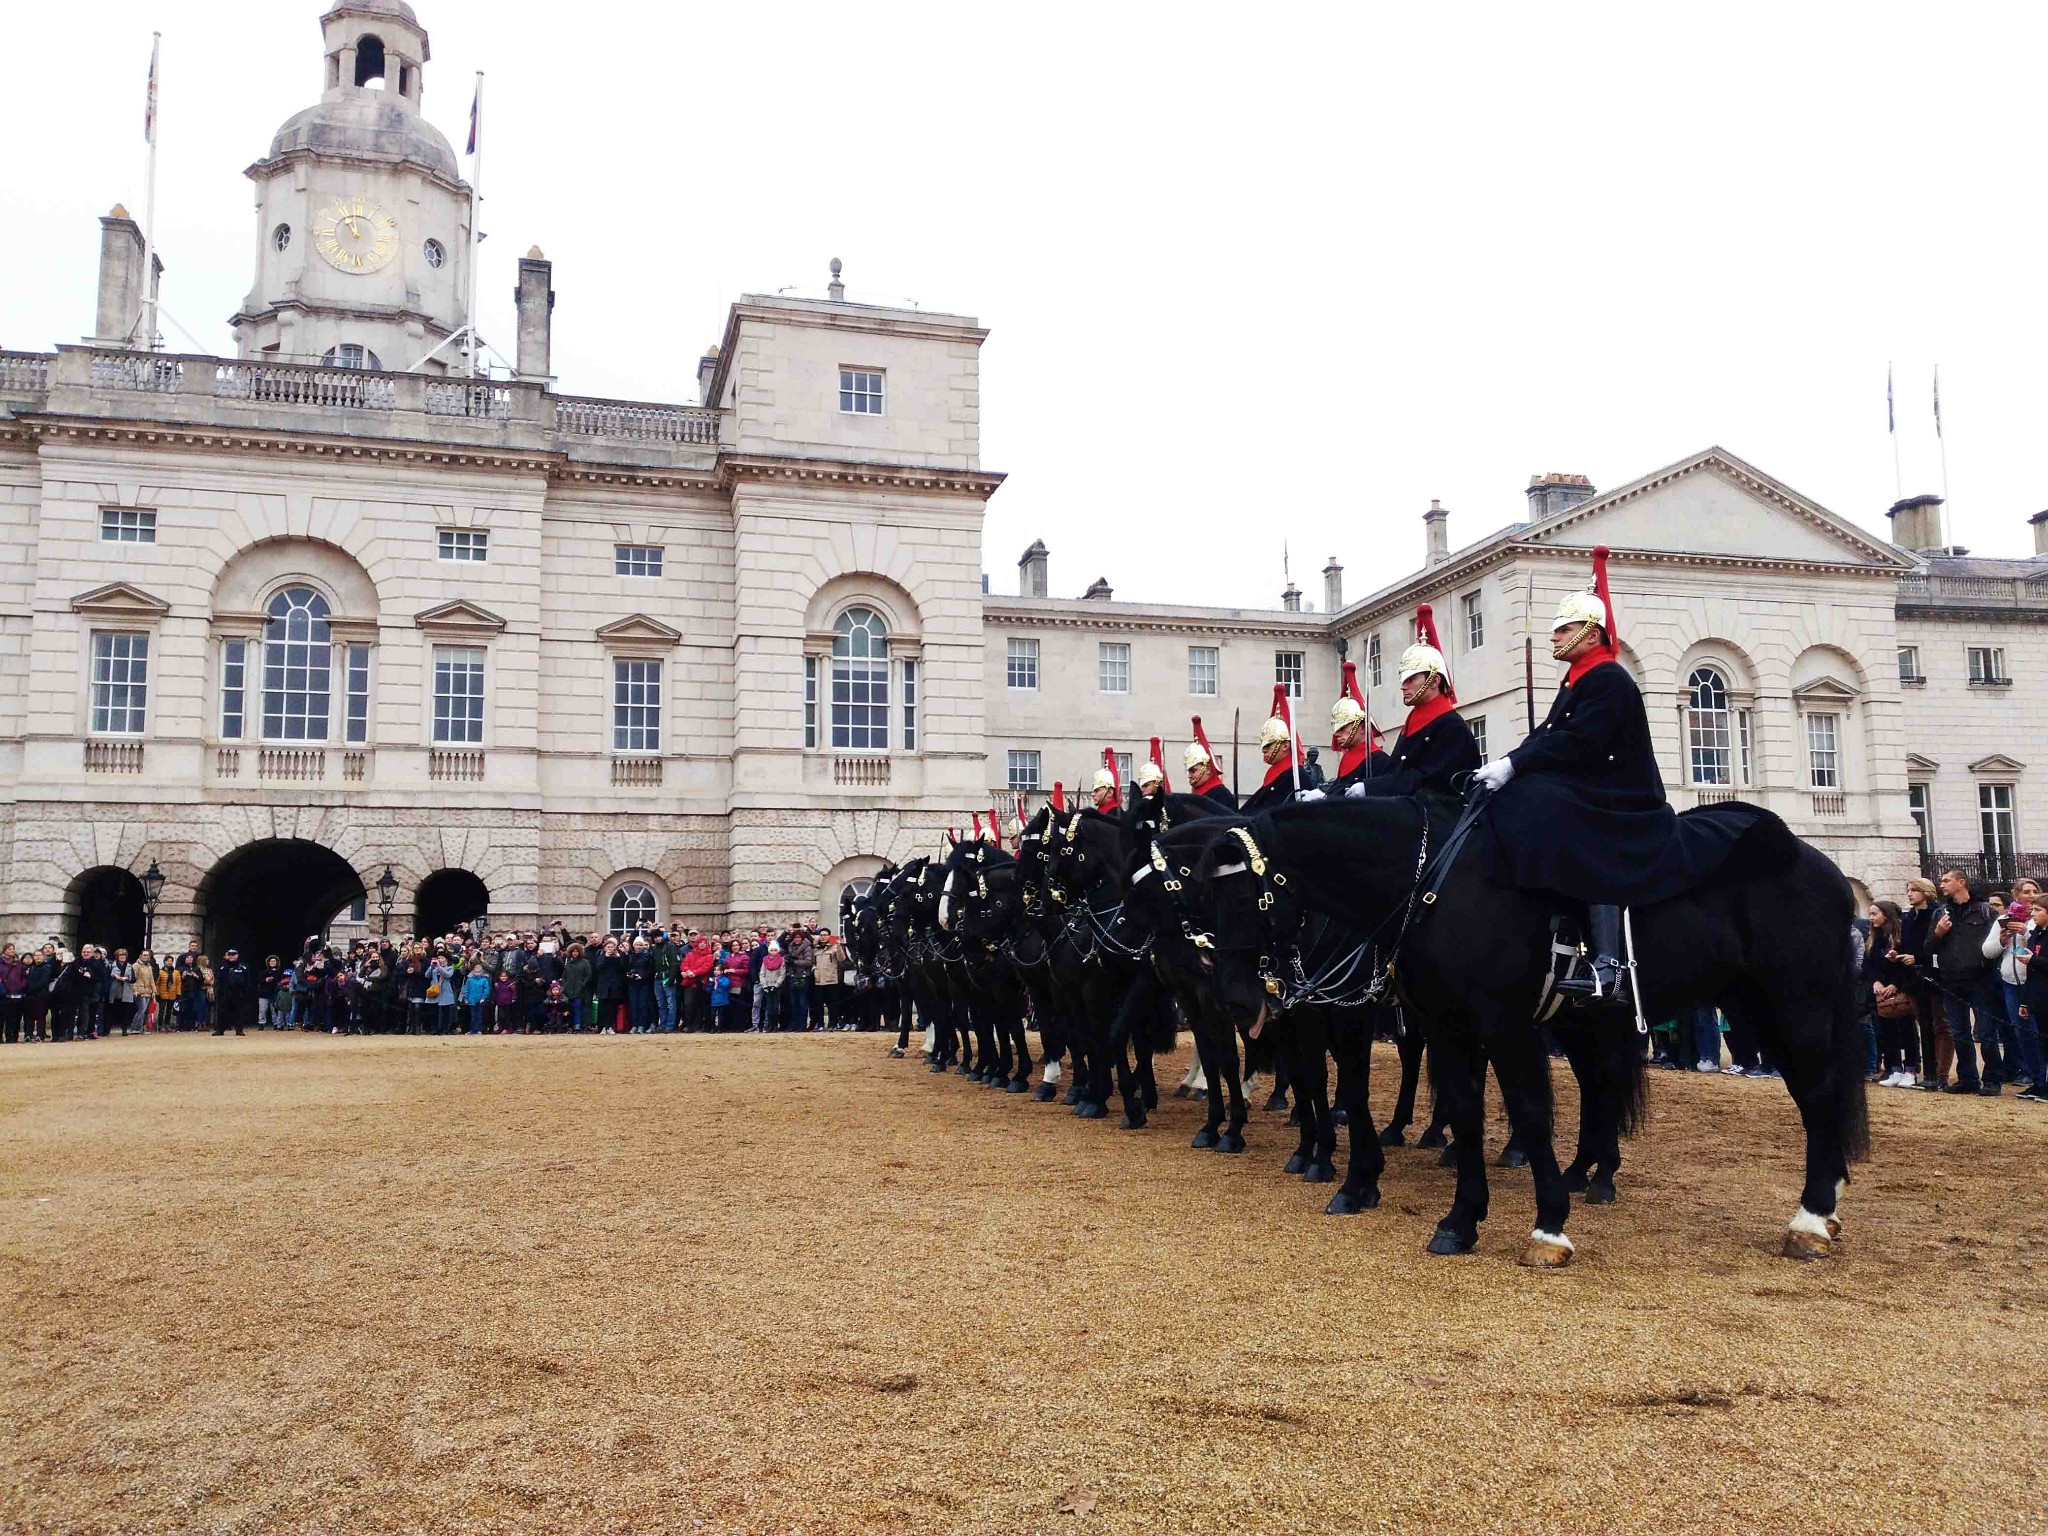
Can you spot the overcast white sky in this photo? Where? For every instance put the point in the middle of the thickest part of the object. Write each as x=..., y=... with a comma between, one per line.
x=1253, y=275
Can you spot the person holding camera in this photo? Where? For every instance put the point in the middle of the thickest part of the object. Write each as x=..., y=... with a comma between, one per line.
x=2009, y=945
x=1968, y=982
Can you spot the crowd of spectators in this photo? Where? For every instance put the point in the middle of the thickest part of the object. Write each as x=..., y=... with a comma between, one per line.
x=1950, y=992
x=651, y=981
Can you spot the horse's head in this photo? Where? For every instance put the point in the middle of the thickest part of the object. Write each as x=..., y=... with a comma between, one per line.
x=1246, y=908
x=1090, y=853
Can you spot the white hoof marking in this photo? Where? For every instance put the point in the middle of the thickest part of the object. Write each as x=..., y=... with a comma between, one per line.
x=1810, y=1224
x=1555, y=1239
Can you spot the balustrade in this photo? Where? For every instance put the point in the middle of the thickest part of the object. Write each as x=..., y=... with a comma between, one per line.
x=861, y=772
x=636, y=772
x=24, y=373
x=347, y=389
x=227, y=763
x=581, y=417
x=113, y=757
x=295, y=763
x=455, y=767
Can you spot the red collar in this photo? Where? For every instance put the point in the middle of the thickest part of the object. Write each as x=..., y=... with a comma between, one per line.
x=1586, y=663
x=1354, y=756
x=1213, y=782
x=1422, y=714
x=1277, y=769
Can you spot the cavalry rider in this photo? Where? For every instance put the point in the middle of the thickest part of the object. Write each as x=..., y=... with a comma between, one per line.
x=1105, y=790
x=1579, y=808
x=1354, y=735
x=1150, y=776
x=1435, y=750
x=1276, y=746
x=1204, y=778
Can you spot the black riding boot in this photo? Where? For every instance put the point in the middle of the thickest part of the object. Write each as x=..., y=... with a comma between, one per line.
x=1609, y=982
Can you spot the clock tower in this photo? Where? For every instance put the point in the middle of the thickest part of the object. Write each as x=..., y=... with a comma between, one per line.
x=362, y=217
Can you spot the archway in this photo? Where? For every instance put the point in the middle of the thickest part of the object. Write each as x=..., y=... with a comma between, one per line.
x=447, y=899
x=106, y=909
x=267, y=898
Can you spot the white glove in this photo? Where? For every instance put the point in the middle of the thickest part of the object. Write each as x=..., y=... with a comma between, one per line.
x=1356, y=791
x=1495, y=773
x=1309, y=796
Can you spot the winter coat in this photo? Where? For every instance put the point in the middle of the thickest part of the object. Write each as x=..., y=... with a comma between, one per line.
x=609, y=976
x=13, y=977
x=1585, y=816
x=640, y=968
x=803, y=953
x=576, y=977
x=1442, y=757
x=699, y=963
x=1959, y=955
x=827, y=972
x=476, y=988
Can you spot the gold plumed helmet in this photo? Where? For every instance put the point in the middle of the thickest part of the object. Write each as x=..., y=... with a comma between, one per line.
x=1194, y=757
x=1275, y=729
x=1103, y=779
x=1580, y=608
x=1346, y=711
x=1148, y=773
x=1420, y=658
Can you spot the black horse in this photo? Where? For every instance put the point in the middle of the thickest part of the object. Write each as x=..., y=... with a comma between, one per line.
x=1769, y=944
x=995, y=990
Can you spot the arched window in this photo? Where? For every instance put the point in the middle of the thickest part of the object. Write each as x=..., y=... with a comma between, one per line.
x=631, y=905
x=1709, y=737
x=351, y=355
x=860, y=681
x=298, y=654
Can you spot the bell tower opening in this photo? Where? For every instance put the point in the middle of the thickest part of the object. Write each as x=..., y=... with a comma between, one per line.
x=370, y=60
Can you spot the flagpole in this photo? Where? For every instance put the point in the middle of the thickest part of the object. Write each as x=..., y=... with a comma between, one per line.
x=1891, y=417
x=476, y=203
x=149, y=208
x=1942, y=438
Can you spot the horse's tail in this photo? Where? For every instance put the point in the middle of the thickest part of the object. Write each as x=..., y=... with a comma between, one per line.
x=1163, y=1031
x=1627, y=1079
x=1851, y=1102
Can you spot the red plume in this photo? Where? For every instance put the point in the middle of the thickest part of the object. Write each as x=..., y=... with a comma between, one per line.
x=1059, y=797
x=995, y=826
x=1109, y=762
x=1425, y=631
x=1159, y=757
x=977, y=826
x=953, y=836
x=1280, y=709
x=1600, y=591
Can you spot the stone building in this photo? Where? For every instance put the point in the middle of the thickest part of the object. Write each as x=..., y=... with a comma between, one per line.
x=281, y=622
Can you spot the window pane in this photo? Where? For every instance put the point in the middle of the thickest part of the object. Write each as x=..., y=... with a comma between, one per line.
x=1287, y=671
x=1023, y=664
x=1202, y=670
x=1707, y=727
x=234, y=667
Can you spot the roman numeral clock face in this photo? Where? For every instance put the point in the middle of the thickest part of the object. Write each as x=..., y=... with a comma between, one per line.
x=355, y=235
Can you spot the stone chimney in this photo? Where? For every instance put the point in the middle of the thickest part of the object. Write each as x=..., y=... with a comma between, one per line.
x=707, y=365
x=1554, y=493
x=1436, y=530
x=118, y=318
x=535, y=297
x=1098, y=591
x=1333, y=586
x=2040, y=522
x=1031, y=571
x=1916, y=523
x=1291, y=598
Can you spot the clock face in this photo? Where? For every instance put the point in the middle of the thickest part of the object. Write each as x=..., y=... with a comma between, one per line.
x=355, y=235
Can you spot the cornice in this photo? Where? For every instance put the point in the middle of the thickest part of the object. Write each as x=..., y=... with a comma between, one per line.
x=734, y=468
x=1108, y=618
x=270, y=440
x=271, y=166
x=364, y=312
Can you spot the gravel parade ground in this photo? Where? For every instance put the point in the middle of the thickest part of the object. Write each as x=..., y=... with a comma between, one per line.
x=782, y=1284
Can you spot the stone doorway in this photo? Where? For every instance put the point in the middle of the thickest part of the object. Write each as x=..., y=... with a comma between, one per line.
x=448, y=899
x=105, y=908
x=267, y=898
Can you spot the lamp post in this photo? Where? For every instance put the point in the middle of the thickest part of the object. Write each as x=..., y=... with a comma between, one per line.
x=387, y=893
x=152, y=893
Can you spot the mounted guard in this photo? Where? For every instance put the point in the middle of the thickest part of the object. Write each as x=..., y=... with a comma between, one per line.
x=1204, y=777
x=1354, y=736
x=1150, y=775
x=1106, y=790
x=1276, y=746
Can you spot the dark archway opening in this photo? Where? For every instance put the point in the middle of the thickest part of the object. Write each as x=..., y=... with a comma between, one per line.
x=369, y=60
x=107, y=902
x=267, y=898
x=447, y=899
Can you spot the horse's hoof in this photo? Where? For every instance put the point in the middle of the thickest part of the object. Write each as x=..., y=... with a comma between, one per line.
x=1834, y=1229
x=1182, y=1091
x=1448, y=1158
x=1071, y=1096
x=1151, y=1096
x=1199, y=1095
x=1575, y=1180
x=1295, y=1164
x=1294, y=1115
x=1045, y=1093
x=1601, y=1192
x=895, y=1051
x=938, y=1067
x=1091, y=1111
x=1449, y=1240
x=1340, y=1117
x=1805, y=1245
x=1318, y=1173
x=1230, y=1142
x=1278, y=1101
x=1344, y=1203
x=1204, y=1139
x=1393, y=1136
x=1432, y=1139
x=1017, y=1085
x=1545, y=1253
x=1511, y=1157
x=1130, y=1123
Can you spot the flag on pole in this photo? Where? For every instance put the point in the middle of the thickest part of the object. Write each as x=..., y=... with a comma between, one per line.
x=476, y=113
x=1937, y=399
x=149, y=108
x=1891, y=417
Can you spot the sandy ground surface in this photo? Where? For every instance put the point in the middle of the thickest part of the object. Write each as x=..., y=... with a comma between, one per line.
x=742, y=1284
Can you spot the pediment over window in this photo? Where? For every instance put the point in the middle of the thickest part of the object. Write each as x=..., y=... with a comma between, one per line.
x=1824, y=691
x=1915, y=763
x=1997, y=762
x=460, y=617
x=638, y=629
x=120, y=600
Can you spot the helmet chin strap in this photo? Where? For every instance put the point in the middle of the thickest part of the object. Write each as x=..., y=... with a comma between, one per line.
x=1585, y=629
